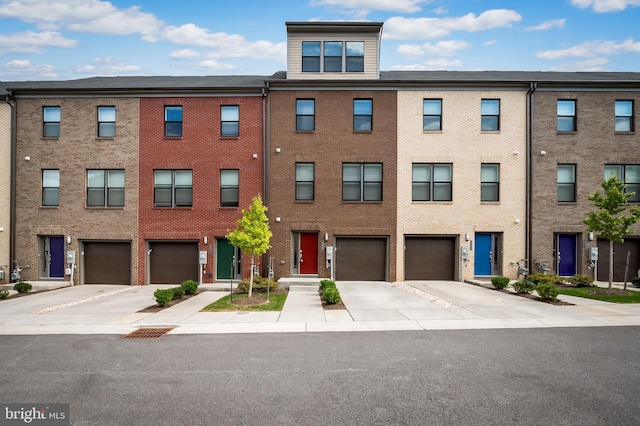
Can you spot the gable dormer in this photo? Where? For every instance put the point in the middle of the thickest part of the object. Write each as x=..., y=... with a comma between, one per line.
x=333, y=50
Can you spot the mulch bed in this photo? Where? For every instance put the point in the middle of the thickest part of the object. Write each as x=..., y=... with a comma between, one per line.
x=530, y=296
x=330, y=306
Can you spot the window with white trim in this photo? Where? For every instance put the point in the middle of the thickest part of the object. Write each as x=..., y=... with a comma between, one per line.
x=489, y=182
x=566, y=183
x=106, y=121
x=51, y=187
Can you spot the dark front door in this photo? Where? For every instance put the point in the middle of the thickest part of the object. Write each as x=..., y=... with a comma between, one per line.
x=308, y=253
x=566, y=254
x=52, y=258
x=224, y=258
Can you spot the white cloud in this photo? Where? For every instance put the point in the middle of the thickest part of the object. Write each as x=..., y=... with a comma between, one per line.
x=24, y=69
x=593, y=64
x=404, y=6
x=490, y=43
x=425, y=28
x=108, y=67
x=603, y=6
x=184, y=54
x=30, y=41
x=591, y=49
x=212, y=65
x=547, y=25
x=436, y=64
x=441, y=48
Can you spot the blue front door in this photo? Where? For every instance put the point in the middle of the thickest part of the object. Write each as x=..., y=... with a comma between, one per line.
x=566, y=255
x=483, y=255
x=56, y=256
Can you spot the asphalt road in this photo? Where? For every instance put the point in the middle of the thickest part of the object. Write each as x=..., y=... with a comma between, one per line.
x=582, y=376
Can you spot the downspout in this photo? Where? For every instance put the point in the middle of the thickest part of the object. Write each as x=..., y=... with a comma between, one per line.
x=12, y=197
x=266, y=143
x=529, y=177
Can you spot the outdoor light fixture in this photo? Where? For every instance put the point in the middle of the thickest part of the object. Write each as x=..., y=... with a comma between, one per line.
x=326, y=236
x=255, y=156
x=68, y=239
x=277, y=219
x=517, y=220
x=543, y=152
x=205, y=239
x=466, y=236
x=590, y=236
x=278, y=150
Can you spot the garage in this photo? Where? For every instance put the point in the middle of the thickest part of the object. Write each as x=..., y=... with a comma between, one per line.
x=361, y=259
x=173, y=262
x=619, y=259
x=430, y=258
x=107, y=262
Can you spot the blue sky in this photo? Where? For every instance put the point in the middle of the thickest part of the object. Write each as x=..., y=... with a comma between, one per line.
x=68, y=39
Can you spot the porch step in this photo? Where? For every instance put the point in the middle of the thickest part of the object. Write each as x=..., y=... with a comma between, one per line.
x=312, y=288
x=298, y=281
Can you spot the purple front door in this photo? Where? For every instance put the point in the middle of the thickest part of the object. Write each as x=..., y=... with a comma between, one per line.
x=567, y=254
x=56, y=257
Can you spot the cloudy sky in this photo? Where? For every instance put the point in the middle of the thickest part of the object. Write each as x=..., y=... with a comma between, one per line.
x=68, y=39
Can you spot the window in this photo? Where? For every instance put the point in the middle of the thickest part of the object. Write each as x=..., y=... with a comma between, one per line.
x=106, y=122
x=362, y=181
x=51, y=187
x=624, y=116
x=172, y=188
x=305, y=114
x=332, y=56
x=105, y=188
x=490, y=182
x=355, y=56
x=229, y=188
x=173, y=121
x=431, y=182
x=566, y=182
x=51, y=122
x=567, y=116
x=629, y=174
x=310, y=56
x=230, y=120
x=432, y=114
x=304, y=181
x=490, y=120
x=362, y=114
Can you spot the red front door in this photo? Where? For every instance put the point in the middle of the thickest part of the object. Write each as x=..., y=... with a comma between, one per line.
x=308, y=253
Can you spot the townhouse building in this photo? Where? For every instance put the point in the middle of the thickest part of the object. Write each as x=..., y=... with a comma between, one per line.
x=6, y=110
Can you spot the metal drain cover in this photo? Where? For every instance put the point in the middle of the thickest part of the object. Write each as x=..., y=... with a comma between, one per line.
x=148, y=333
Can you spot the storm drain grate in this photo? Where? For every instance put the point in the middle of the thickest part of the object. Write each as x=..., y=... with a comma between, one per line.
x=148, y=333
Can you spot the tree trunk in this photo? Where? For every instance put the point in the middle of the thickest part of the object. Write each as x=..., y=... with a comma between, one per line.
x=610, y=264
x=251, y=279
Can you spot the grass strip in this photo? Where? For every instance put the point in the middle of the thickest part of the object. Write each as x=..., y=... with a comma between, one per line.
x=276, y=302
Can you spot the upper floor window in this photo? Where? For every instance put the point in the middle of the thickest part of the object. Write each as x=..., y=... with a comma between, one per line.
x=332, y=56
x=362, y=181
x=305, y=114
x=629, y=174
x=432, y=114
x=567, y=116
x=172, y=188
x=173, y=121
x=51, y=187
x=431, y=182
x=624, y=116
x=51, y=122
x=105, y=188
x=490, y=182
x=566, y=182
x=362, y=114
x=230, y=120
x=106, y=121
x=305, y=181
x=229, y=188
x=310, y=56
x=355, y=56
x=490, y=120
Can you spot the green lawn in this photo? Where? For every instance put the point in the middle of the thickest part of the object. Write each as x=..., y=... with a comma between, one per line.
x=631, y=296
x=276, y=302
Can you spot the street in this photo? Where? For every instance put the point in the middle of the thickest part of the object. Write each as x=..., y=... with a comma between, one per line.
x=579, y=376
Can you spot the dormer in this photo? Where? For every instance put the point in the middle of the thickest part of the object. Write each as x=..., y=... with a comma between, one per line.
x=333, y=50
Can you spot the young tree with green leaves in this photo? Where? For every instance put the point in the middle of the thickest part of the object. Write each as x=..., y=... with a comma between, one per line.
x=252, y=234
x=607, y=221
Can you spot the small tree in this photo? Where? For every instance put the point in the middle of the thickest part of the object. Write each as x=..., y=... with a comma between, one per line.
x=252, y=234
x=608, y=221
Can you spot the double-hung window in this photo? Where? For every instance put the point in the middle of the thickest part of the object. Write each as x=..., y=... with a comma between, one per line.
x=332, y=56
x=229, y=187
x=629, y=174
x=305, y=181
x=51, y=122
x=362, y=181
x=566, y=183
x=310, y=56
x=490, y=111
x=51, y=187
x=355, y=56
x=567, y=116
x=106, y=122
x=105, y=188
x=173, y=121
x=230, y=120
x=624, y=116
x=431, y=182
x=490, y=182
x=432, y=114
x=362, y=115
x=305, y=114
x=172, y=188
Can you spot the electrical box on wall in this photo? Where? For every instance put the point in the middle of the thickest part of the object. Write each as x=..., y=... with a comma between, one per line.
x=593, y=253
x=464, y=253
x=203, y=257
x=329, y=252
x=71, y=256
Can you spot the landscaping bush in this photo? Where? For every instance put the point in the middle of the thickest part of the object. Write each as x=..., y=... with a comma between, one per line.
x=500, y=282
x=547, y=291
x=259, y=284
x=580, y=280
x=635, y=281
x=331, y=295
x=538, y=278
x=523, y=287
x=163, y=296
x=22, y=287
x=324, y=284
x=190, y=287
x=178, y=292
x=4, y=294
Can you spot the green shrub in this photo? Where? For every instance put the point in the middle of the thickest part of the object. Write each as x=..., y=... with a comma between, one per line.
x=4, y=294
x=547, y=291
x=163, y=296
x=580, y=280
x=22, y=287
x=538, y=278
x=259, y=284
x=500, y=282
x=331, y=295
x=178, y=292
x=635, y=281
x=190, y=287
x=325, y=284
x=523, y=286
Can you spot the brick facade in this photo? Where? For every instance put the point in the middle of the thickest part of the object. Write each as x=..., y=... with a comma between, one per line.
x=5, y=188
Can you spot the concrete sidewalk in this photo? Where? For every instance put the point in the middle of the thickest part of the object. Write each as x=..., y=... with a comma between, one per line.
x=370, y=306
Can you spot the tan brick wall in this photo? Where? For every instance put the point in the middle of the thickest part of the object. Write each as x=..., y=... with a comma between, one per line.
x=462, y=143
x=5, y=187
x=73, y=153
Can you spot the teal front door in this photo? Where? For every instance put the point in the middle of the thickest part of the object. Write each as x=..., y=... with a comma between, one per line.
x=225, y=253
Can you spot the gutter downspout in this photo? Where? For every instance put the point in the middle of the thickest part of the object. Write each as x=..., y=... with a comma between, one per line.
x=12, y=197
x=529, y=177
x=266, y=143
